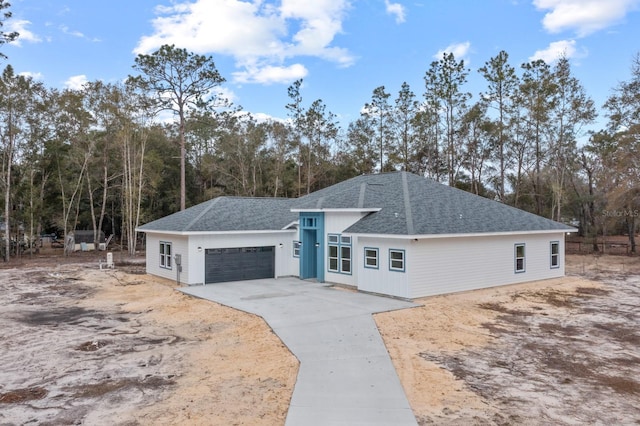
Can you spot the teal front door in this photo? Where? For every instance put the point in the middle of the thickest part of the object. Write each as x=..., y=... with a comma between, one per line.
x=312, y=246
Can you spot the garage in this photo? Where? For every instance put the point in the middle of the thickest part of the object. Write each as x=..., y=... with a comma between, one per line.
x=239, y=264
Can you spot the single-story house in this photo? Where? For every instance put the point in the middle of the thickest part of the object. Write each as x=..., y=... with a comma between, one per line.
x=396, y=234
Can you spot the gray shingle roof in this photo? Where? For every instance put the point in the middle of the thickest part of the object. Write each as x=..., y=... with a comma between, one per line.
x=408, y=205
x=413, y=205
x=228, y=214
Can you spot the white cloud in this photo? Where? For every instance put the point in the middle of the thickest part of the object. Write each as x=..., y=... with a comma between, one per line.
x=25, y=35
x=262, y=117
x=258, y=34
x=556, y=50
x=34, y=75
x=459, y=50
x=397, y=10
x=583, y=16
x=67, y=31
x=75, y=33
x=76, y=82
x=271, y=74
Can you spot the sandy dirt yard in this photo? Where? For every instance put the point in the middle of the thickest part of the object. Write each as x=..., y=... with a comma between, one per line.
x=555, y=352
x=81, y=345
x=84, y=346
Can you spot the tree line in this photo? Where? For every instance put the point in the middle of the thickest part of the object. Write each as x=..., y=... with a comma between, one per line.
x=101, y=158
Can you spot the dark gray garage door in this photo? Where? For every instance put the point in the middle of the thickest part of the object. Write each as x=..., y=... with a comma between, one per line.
x=237, y=264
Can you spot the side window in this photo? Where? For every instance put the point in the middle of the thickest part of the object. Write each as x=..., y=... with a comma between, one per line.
x=371, y=258
x=333, y=257
x=519, y=258
x=555, y=254
x=396, y=260
x=339, y=253
x=165, y=255
x=296, y=249
x=345, y=259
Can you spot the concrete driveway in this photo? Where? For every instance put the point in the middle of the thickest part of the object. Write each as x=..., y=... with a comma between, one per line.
x=346, y=376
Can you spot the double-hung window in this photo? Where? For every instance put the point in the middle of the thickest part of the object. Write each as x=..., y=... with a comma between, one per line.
x=371, y=258
x=296, y=248
x=339, y=253
x=519, y=258
x=345, y=254
x=396, y=260
x=165, y=255
x=555, y=254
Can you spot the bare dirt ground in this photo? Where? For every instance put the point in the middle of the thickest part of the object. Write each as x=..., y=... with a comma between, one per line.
x=83, y=346
x=561, y=352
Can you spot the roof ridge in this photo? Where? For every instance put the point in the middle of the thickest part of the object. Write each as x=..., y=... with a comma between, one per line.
x=407, y=204
x=363, y=188
x=203, y=212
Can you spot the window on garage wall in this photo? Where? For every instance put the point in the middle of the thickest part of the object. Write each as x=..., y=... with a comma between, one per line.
x=165, y=255
x=371, y=257
x=519, y=258
x=396, y=260
x=296, y=248
x=555, y=254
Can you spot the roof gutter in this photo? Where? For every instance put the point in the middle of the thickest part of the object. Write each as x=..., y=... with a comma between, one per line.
x=335, y=210
x=465, y=235
x=187, y=233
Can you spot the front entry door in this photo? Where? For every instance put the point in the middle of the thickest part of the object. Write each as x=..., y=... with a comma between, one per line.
x=309, y=267
x=312, y=246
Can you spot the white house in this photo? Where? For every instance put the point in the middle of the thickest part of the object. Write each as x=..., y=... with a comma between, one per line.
x=397, y=234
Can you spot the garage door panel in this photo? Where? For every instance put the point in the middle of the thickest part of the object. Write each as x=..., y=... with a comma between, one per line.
x=238, y=264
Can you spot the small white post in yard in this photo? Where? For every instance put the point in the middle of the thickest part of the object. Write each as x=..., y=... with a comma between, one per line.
x=110, y=260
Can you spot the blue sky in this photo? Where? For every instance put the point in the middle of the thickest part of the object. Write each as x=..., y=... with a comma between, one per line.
x=343, y=49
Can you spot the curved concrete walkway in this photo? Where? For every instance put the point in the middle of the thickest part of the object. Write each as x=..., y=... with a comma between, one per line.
x=346, y=376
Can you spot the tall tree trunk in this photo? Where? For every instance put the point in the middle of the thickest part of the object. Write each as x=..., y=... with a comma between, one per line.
x=7, y=201
x=133, y=246
x=183, y=154
x=93, y=211
x=66, y=208
x=105, y=188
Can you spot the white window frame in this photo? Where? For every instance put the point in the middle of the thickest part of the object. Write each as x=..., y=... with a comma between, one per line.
x=393, y=260
x=555, y=255
x=342, y=245
x=166, y=255
x=516, y=258
x=335, y=258
x=296, y=248
x=375, y=257
x=345, y=260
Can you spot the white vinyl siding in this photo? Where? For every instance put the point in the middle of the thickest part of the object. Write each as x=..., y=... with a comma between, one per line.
x=153, y=255
x=193, y=248
x=382, y=280
x=435, y=266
